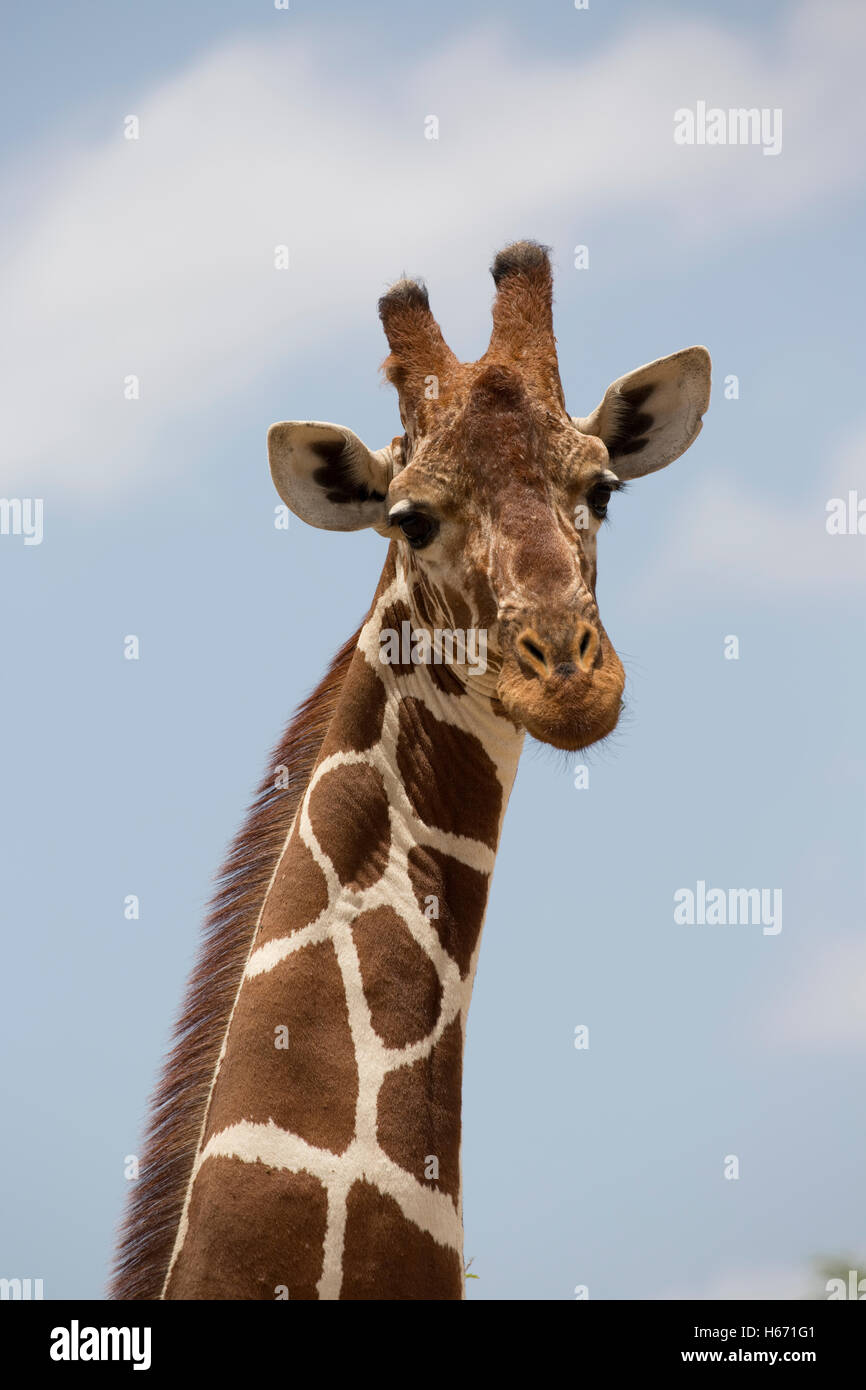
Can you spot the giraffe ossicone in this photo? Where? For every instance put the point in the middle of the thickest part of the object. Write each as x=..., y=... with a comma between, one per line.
x=305, y=1137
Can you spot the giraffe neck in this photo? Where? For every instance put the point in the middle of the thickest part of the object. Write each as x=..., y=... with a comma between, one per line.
x=329, y=1160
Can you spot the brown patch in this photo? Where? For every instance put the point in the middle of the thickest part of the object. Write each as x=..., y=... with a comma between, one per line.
x=298, y=894
x=394, y=615
x=458, y=610
x=309, y=1087
x=388, y=1257
x=349, y=814
x=462, y=897
x=419, y=1112
x=449, y=777
x=357, y=722
x=433, y=613
x=252, y=1229
x=400, y=981
x=446, y=680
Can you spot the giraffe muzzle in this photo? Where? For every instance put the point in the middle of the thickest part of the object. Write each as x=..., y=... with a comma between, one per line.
x=563, y=684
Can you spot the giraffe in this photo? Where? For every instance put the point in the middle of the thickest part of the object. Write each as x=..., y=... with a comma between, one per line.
x=305, y=1137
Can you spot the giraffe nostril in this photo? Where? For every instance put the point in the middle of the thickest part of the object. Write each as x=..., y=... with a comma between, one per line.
x=586, y=645
x=532, y=654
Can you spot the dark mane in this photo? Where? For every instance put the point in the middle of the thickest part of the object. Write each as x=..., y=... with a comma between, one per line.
x=177, y=1107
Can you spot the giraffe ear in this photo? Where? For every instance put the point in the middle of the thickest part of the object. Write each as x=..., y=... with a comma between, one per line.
x=327, y=476
x=651, y=416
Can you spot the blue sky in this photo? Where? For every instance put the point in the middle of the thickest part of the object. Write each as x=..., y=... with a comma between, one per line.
x=155, y=258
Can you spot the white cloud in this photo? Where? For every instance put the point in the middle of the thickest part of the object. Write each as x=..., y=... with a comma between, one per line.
x=823, y=1005
x=751, y=1282
x=733, y=539
x=154, y=257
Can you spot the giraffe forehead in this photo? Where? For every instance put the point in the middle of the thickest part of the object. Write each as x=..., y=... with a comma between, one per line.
x=493, y=487
x=497, y=445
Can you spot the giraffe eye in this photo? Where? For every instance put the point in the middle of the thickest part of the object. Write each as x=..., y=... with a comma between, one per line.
x=418, y=528
x=598, y=500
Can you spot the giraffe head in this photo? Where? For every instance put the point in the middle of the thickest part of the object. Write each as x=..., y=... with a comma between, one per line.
x=494, y=494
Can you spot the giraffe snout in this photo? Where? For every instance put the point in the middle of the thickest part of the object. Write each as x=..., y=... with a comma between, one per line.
x=562, y=680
